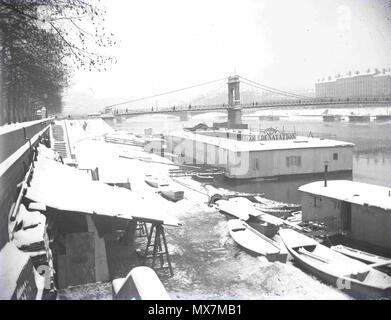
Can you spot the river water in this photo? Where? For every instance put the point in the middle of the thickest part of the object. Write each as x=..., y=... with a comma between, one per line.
x=372, y=151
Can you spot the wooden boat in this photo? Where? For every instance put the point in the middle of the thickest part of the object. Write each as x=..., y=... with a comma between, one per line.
x=155, y=182
x=331, y=117
x=383, y=117
x=359, y=118
x=356, y=278
x=267, y=229
x=232, y=208
x=173, y=195
x=363, y=256
x=255, y=242
x=202, y=177
x=268, y=204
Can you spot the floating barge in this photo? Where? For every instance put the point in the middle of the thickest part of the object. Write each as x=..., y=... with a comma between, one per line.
x=383, y=117
x=361, y=211
x=359, y=118
x=271, y=154
x=331, y=117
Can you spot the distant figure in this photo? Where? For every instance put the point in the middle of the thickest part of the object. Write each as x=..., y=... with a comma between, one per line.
x=189, y=106
x=152, y=108
x=173, y=108
x=84, y=125
x=126, y=110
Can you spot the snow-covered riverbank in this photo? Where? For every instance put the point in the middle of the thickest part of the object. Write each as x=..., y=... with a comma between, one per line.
x=207, y=263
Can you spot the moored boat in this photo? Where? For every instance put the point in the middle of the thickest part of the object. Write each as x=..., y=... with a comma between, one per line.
x=363, y=256
x=331, y=117
x=155, y=182
x=233, y=209
x=359, y=118
x=267, y=229
x=203, y=177
x=255, y=242
x=173, y=195
x=356, y=278
x=383, y=117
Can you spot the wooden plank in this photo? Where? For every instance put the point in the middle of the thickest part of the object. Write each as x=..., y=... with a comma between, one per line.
x=101, y=265
x=80, y=258
x=61, y=271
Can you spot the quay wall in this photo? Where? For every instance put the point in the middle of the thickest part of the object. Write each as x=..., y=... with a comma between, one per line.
x=15, y=159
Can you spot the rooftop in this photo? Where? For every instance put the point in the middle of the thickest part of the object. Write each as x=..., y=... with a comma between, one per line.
x=243, y=146
x=351, y=191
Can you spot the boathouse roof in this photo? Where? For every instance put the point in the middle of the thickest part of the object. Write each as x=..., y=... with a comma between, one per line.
x=264, y=145
x=64, y=188
x=363, y=194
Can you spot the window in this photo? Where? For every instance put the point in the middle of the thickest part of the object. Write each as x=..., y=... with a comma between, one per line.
x=293, y=161
x=335, y=156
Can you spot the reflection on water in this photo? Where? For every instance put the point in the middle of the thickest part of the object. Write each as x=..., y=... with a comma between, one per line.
x=284, y=189
x=371, y=160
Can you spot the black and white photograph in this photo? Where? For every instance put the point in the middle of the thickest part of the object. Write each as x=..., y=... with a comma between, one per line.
x=220, y=150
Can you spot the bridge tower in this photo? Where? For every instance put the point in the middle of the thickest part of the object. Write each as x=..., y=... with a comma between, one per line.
x=234, y=108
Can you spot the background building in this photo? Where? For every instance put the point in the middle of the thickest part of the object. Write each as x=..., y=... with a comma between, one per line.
x=371, y=84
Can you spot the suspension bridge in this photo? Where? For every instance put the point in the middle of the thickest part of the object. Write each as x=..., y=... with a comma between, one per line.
x=271, y=98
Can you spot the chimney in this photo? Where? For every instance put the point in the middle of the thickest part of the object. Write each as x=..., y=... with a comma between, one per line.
x=325, y=173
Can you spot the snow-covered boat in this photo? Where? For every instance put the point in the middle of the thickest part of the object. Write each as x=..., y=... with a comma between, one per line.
x=203, y=177
x=355, y=277
x=255, y=242
x=266, y=228
x=275, y=208
x=173, y=195
x=359, y=255
x=155, y=182
x=232, y=208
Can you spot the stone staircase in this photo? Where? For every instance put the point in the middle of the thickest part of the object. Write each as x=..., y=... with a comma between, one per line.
x=59, y=143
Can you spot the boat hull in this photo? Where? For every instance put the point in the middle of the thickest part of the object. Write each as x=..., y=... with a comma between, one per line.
x=359, y=118
x=173, y=195
x=349, y=275
x=151, y=183
x=331, y=118
x=353, y=288
x=255, y=243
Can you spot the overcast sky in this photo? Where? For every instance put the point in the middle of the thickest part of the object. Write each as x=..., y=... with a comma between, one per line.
x=170, y=44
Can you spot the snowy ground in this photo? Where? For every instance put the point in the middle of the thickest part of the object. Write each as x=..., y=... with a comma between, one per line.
x=207, y=263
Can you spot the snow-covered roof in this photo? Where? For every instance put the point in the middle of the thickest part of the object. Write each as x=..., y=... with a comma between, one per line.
x=351, y=191
x=243, y=146
x=69, y=189
x=385, y=74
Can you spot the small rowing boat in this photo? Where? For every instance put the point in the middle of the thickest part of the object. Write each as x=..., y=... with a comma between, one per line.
x=232, y=208
x=356, y=278
x=363, y=256
x=155, y=182
x=172, y=195
x=255, y=242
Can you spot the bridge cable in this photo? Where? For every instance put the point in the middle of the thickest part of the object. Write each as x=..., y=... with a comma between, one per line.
x=274, y=92
x=273, y=89
x=164, y=93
